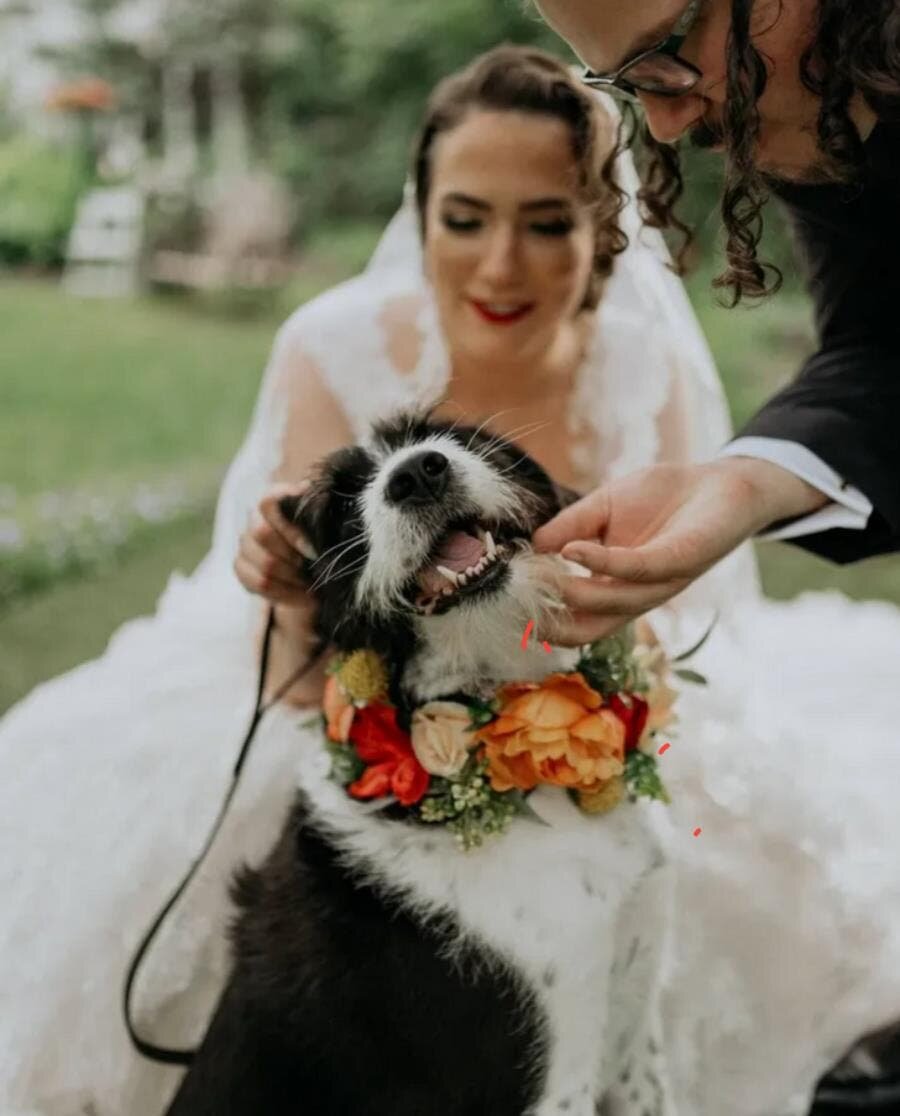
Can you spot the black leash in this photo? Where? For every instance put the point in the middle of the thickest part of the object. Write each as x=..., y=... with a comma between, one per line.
x=166, y=1055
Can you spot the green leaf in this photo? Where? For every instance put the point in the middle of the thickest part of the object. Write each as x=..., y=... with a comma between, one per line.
x=346, y=766
x=642, y=777
x=693, y=650
x=524, y=807
x=694, y=676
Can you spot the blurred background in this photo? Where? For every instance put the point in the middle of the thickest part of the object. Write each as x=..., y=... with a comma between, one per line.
x=175, y=178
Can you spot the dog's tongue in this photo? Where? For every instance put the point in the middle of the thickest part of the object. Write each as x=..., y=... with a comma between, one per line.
x=457, y=552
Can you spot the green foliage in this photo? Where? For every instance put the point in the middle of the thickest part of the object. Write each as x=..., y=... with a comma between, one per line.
x=609, y=665
x=39, y=188
x=469, y=807
x=348, y=85
x=346, y=766
x=642, y=777
x=692, y=676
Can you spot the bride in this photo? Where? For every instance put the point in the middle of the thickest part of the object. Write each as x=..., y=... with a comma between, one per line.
x=787, y=935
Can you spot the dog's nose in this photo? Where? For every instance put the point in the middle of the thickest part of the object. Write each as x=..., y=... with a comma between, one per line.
x=421, y=479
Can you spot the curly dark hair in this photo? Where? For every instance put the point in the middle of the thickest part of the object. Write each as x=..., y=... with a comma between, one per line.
x=526, y=79
x=855, y=49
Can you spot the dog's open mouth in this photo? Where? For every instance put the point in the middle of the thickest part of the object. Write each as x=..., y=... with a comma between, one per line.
x=466, y=561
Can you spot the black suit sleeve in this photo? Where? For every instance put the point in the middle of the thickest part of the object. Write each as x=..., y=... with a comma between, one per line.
x=845, y=404
x=845, y=408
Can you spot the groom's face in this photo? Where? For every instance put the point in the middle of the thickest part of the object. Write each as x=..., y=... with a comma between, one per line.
x=606, y=33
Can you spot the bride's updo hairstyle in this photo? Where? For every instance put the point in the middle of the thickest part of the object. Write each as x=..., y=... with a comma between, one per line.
x=524, y=79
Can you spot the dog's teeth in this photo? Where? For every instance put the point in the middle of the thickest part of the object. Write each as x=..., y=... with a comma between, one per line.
x=450, y=575
x=462, y=579
x=490, y=544
x=479, y=532
x=430, y=607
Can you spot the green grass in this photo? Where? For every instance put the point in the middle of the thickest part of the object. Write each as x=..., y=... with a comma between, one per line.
x=93, y=390
x=45, y=635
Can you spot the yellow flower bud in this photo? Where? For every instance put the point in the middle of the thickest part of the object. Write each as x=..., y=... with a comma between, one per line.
x=603, y=800
x=363, y=676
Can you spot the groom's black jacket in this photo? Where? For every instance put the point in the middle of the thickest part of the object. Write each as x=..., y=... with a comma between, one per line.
x=845, y=404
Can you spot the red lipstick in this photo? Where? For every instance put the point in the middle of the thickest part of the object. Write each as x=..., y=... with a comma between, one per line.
x=491, y=313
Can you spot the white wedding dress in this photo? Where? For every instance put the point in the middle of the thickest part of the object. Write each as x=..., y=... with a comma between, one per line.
x=786, y=945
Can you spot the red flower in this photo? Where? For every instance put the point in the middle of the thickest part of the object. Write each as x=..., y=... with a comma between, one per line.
x=387, y=750
x=632, y=711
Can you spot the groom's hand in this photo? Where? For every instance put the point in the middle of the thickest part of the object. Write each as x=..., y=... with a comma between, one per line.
x=647, y=536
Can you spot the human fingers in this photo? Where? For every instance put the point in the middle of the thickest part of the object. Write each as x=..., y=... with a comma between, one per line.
x=265, y=535
x=284, y=567
x=585, y=519
x=270, y=511
x=609, y=598
x=267, y=586
x=661, y=561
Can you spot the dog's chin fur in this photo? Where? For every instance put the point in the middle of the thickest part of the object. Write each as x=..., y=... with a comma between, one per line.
x=378, y=970
x=476, y=647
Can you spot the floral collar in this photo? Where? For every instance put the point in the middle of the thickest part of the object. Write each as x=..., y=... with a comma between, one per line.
x=470, y=764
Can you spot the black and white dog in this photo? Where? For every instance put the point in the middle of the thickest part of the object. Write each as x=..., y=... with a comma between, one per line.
x=379, y=970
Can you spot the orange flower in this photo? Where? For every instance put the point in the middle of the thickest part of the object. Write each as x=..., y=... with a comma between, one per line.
x=89, y=93
x=554, y=732
x=338, y=711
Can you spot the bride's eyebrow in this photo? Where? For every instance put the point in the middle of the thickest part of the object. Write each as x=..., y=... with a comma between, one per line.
x=466, y=199
x=545, y=203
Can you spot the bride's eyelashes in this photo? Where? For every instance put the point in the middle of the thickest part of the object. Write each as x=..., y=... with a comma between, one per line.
x=559, y=227
x=461, y=224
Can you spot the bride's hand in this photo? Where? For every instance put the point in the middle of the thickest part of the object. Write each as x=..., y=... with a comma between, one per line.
x=647, y=536
x=268, y=561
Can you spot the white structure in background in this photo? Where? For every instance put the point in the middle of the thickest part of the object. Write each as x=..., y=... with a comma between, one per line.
x=25, y=78
x=248, y=212
x=29, y=26
x=103, y=257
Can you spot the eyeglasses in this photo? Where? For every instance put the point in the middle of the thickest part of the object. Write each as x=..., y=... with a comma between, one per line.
x=658, y=70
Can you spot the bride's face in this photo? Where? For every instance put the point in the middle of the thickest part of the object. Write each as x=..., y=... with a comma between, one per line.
x=509, y=243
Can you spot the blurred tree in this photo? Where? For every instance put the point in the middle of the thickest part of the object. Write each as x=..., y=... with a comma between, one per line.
x=348, y=81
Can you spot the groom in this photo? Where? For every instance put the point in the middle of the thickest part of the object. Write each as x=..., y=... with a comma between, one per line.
x=803, y=99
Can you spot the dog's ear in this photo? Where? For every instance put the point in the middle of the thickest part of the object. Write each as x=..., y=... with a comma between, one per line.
x=564, y=496
x=300, y=511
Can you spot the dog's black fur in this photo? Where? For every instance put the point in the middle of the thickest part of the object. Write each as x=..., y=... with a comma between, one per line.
x=329, y=975
x=341, y=1001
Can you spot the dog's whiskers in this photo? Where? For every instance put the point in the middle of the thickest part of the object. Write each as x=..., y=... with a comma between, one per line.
x=325, y=575
x=487, y=421
x=523, y=431
x=332, y=573
x=355, y=541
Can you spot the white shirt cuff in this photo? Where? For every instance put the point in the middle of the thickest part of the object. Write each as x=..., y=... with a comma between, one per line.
x=849, y=508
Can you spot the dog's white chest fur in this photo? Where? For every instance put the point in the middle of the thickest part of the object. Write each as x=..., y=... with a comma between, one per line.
x=575, y=906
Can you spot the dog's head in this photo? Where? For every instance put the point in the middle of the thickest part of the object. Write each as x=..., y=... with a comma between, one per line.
x=422, y=540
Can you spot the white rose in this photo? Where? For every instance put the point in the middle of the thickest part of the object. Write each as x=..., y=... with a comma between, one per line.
x=442, y=736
